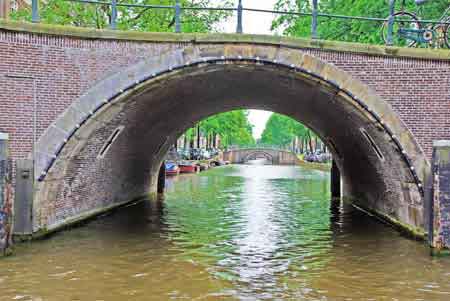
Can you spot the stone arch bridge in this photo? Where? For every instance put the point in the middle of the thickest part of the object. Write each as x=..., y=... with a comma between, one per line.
x=274, y=156
x=96, y=111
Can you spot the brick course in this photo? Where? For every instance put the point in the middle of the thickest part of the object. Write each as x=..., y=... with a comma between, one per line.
x=63, y=68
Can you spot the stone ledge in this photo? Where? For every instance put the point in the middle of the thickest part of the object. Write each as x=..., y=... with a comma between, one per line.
x=199, y=38
x=441, y=143
x=80, y=219
x=405, y=229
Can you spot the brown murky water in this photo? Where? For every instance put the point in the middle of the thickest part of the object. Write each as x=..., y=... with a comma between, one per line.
x=248, y=232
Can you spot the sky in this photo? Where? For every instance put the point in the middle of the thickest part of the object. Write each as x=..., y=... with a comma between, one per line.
x=255, y=23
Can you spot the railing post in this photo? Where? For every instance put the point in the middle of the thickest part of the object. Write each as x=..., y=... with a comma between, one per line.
x=35, y=11
x=314, y=20
x=239, y=18
x=177, y=16
x=391, y=22
x=113, y=14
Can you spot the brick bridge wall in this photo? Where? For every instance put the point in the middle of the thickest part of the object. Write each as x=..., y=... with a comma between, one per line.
x=53, y=68
x=62, y=68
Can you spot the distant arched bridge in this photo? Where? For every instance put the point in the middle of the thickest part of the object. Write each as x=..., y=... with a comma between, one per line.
x=273, y=155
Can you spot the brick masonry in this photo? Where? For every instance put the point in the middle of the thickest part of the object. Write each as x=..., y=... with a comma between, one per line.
x=54, y=71
x=63, y=68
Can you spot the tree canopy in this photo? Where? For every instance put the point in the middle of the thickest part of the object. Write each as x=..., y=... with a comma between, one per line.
x=233, y=127
x=281, y=130
x=98, y=16
x=347, y=30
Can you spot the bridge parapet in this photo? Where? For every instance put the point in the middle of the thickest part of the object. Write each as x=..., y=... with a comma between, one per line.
x=269, y=147
x=275, y=156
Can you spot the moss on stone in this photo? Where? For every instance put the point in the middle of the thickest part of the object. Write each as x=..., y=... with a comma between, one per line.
x=444, y=156
x=80, y=220
x=439, y=252
x=405, y=229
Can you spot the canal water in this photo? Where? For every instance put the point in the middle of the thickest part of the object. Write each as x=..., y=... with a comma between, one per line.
x=242, y=232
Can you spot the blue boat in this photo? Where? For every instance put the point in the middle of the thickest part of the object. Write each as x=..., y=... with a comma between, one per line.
x=172, y=168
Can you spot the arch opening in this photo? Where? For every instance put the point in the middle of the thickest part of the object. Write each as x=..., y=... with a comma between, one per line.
x=257, y=154
x=154, y=112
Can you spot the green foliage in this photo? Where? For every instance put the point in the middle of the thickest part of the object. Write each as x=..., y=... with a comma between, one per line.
x=65, y=12
x=233, y=128
x=348, y=30
x=281, y=130
x=278, y=130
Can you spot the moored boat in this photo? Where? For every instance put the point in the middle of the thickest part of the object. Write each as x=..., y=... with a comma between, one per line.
x=172, y=169
x=217, y=163
x=188, y=167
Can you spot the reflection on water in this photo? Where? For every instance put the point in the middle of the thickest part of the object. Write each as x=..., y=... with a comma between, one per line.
x=246, y=232
x=259, y=161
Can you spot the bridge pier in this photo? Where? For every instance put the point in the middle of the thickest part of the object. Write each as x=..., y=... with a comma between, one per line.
x=5, y=195
x=162, y=178
x=23, y=198
x=335, y=181
x=439, y=197
x=276, y=156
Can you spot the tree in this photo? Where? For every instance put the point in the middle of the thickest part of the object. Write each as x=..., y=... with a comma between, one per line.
x=233, y=128
x=65, y=12
x=278, y=131
x=344, y=29
x=281, y=130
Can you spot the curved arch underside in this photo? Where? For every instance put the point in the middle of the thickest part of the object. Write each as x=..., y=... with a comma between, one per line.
x=256, y=155
x=119, y=132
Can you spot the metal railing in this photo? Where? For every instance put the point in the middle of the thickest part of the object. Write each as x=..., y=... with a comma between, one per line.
x=178, y=9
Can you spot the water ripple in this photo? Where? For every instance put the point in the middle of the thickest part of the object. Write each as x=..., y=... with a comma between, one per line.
x=232, y=233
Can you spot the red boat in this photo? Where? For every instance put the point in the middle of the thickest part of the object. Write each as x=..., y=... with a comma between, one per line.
x=187, y=167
